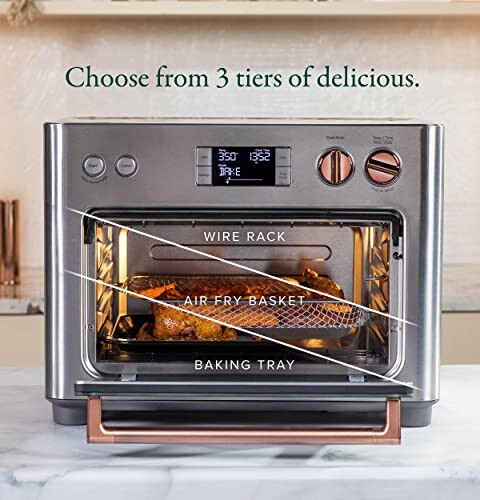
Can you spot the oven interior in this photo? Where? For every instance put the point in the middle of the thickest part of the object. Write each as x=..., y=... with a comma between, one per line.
x=133, y=253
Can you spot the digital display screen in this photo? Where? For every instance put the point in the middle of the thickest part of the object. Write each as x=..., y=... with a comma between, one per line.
x=243, y=166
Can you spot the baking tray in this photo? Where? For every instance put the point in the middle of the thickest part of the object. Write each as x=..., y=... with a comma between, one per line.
x=127, y=326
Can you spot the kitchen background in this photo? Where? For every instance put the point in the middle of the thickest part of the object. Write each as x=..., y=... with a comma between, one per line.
x=443, y=53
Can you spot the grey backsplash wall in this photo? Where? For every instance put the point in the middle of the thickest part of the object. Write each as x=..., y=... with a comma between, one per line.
x=444, y=55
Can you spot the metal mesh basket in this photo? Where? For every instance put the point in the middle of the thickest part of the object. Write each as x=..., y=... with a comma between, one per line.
x=312, y=313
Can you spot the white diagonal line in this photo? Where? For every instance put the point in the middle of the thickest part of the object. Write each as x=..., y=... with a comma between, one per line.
x=236, y=264
x=244, y=330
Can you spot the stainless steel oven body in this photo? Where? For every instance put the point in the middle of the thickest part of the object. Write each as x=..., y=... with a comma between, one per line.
x=128, y=201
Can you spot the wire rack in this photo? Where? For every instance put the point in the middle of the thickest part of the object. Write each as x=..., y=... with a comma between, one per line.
x=311, y=313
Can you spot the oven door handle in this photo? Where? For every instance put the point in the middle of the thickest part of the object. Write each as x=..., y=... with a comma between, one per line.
x=98, y=432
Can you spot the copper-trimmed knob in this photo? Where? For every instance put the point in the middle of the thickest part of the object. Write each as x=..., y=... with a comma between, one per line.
x=382, y=167
x=335, y=166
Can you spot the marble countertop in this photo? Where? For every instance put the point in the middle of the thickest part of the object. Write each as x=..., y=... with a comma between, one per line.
x=40, y=460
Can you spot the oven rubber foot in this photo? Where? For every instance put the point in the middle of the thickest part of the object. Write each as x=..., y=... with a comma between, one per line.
x=74, y=413
x=416, y=417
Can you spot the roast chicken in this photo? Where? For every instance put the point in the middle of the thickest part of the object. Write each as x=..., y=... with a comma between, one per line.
x=172, y=324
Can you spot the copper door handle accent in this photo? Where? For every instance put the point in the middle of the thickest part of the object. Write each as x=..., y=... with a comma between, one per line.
x=97, y=432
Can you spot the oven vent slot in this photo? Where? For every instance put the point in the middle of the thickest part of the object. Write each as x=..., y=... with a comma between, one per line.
x=242, y=253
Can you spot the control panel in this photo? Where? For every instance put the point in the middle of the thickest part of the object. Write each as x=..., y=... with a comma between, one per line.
x=263, y=166
x=243, y=166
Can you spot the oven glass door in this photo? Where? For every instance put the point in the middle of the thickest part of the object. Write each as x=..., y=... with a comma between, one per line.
x=242, y=295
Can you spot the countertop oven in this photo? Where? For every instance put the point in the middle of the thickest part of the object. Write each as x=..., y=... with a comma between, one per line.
x=243, y=281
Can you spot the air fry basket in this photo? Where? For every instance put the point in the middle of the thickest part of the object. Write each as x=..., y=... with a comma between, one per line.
x=311, y=314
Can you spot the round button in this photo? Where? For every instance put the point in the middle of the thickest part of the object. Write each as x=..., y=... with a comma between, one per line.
x=382, y=167
x=93, y=166
x=126, y=166
x=335, y=166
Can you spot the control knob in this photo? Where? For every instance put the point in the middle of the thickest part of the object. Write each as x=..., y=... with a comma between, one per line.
x=335, y=166
x=382, y=167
